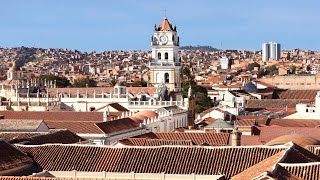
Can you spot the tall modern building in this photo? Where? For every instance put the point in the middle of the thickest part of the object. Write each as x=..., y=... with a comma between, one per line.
x=224, y=62
x=265, y=52
x=271, y=50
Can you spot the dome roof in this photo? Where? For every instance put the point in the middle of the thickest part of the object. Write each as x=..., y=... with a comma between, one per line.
x=142, y=115
x=299, y=139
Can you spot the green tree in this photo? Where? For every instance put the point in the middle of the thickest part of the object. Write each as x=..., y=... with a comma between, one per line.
x=61, y=81
x=271, y=70
x=293, y=69
x=113, y=82
x=252, y=65
x=84, y=82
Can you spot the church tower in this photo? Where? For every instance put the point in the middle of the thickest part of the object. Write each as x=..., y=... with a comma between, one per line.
x=165, y=64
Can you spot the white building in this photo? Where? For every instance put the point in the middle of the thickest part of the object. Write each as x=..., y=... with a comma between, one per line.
x=31, y=95
x=307, y=111
x=271, y=50
x=224, y=63
x=265, y=52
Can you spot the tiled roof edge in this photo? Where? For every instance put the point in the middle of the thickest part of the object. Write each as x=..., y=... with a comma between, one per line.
x=290, y=145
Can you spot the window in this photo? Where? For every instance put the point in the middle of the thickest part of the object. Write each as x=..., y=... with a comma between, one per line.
x=301, y=83
x=308, y=83
x=307, y=110
x=143, y=98
x=166, y=55
x=159, y=55
x=166, y=77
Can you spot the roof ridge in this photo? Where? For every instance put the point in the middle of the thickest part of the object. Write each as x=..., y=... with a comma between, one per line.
x=178, y=146
x=299, y=164
x=275, y=167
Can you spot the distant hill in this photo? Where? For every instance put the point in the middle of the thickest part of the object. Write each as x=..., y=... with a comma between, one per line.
x=198, y=47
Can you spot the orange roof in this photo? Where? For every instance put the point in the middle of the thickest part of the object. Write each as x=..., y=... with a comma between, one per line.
x=165, y=25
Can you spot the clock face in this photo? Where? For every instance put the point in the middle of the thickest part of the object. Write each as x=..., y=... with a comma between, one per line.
x=163, y=39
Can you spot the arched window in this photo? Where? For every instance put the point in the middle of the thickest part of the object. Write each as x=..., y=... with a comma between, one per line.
x=166, y=55
x=159, y=55
x=166, y=77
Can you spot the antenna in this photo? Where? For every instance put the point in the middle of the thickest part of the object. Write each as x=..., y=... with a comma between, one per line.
x=165, y=13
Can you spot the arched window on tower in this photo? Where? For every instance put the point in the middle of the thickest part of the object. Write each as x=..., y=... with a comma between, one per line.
x=166, y=77
x=159, y=55
x=166, y=55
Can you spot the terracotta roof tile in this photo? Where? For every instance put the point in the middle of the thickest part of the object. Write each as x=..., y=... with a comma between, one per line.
x=117, y=125
x=168, y=159
x=81, y=127
x=250, y=140
x=295, y=123
x=154, y=142
x=303, y=170
x=213, y=139
x=165, y=25
x=295, y=154
x=269, y=133
x=273, y=103
x=298, y=94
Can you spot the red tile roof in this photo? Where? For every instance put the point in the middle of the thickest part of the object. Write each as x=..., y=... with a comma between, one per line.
x=295, y=123
x=168, y=159
x=213, y=139
x=273, y=103
x=165, y=25
x=298, y=94
x=295, y=154
x=300, y=170
x=154, y=142
x=198, y=138
x=80, y=127
x=247, y=140
x=269, y=133
x=117, y=125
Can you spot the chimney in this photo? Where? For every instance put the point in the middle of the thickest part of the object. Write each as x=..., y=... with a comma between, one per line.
x=236, y=137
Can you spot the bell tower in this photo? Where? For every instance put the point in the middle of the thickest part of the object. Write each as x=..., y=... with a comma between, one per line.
x=165, y=64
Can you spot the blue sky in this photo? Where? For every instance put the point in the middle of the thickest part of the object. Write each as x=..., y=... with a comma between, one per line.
x=98, y=25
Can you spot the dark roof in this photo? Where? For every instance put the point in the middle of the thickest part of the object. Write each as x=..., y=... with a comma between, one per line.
x=53, y=136
x=156, y=159
x=11, y=157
